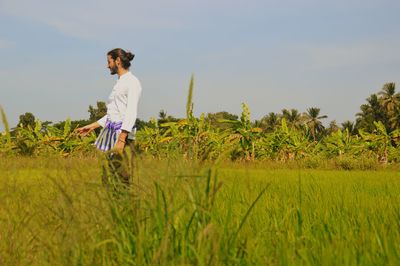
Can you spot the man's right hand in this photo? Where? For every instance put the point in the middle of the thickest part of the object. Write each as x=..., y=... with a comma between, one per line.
x=83, y=131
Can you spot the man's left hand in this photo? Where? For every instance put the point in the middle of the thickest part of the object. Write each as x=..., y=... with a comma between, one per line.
x=119, y=146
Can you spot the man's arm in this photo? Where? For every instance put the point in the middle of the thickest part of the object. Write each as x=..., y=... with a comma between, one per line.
x=83, y=131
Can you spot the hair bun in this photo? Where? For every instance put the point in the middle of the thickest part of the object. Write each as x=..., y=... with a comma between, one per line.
x=130, y=56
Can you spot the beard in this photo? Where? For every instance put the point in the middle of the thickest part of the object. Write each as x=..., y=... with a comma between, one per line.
x=113, y=70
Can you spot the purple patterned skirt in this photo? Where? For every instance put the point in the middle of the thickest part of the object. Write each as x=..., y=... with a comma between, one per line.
x=108, y=136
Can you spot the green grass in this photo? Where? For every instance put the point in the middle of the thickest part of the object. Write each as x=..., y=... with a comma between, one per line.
x=56, y=211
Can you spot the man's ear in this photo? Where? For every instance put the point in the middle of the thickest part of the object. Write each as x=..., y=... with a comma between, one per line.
x=118, y=61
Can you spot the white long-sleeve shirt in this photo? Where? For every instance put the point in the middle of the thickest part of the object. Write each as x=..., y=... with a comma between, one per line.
x=123, y=102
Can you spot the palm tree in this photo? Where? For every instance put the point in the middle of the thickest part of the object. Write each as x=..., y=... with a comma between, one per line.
x=349, y=126
x=395, y=119
x=270, y=121
x=164, y=118
x=333, y=127
x=292, y=116
x=370, y=112
x=313, y=121
x=389, y=99
x=162, y=115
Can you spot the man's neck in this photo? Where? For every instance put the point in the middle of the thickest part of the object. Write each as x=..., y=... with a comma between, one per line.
x=122, y=71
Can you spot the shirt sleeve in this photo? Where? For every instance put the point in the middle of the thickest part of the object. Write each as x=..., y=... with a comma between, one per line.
x=102, y=121
x=134, y=92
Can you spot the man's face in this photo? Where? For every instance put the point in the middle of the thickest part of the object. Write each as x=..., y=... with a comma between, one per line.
x=112, y=65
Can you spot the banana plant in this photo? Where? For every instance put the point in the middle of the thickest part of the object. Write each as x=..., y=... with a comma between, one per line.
x=6, y=145
x=28, y=139
x=151, y=140
x=50, y=140
x=286, y=143
x=244, y=135
x=380, y=141
x=341, y=142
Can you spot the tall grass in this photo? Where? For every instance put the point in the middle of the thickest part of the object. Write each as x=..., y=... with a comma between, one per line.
x=57, y=212
x=189, y=101
x=6, y=125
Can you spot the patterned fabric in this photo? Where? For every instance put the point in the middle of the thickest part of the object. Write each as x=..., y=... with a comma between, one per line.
x=108, y=136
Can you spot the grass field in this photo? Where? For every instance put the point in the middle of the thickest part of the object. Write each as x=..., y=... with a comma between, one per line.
x=56, y=211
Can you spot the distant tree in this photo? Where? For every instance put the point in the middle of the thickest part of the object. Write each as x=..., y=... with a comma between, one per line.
x=333, y=127
x=389, y=99
x=313, y=121
x=27, y=119
x=270, y=122
x=97, y=112
x=46, y=124
x=395, y=119
x=162, y=115
x=140, y=124
x=350, y=126
x=74, y=124
x=383, y=106
x=293, y=117
x=164, y=118
x=215, y=119
x=370, y=112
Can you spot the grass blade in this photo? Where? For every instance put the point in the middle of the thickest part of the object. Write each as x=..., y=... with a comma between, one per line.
x=189, y=103
x=6, y=125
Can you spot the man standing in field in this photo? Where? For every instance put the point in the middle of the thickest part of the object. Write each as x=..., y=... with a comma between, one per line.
x=118, y=124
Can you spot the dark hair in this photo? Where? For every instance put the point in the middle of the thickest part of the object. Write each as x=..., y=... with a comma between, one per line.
x=125, y=57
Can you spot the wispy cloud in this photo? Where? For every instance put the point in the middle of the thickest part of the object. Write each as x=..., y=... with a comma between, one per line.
x=96, y=18
x=354, y=54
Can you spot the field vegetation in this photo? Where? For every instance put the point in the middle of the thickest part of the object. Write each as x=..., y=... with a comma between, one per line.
x=373, y=139
x=211, y=190
x=57, y=212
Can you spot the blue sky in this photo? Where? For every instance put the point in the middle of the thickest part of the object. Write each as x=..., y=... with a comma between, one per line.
x=268, y=54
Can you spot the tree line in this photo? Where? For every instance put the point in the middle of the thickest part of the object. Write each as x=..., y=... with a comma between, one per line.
x=383, y=106
x=373, y=137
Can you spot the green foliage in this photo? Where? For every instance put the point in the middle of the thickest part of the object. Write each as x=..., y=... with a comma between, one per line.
x=341, y=142
x=278, y=137
x=164, y=118
x=216, y=119
x=223, y=136
x=269, y=122
x=27, y=119
x=313, y=122
x=383, y=107
x=97, y=112
x=46, y=140
x=73, y=124
x=6, y=133
x=196, y=138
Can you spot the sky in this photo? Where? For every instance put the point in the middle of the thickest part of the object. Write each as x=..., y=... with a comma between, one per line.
x=268, y=54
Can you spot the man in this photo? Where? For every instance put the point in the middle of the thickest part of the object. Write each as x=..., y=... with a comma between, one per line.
x=118, y=123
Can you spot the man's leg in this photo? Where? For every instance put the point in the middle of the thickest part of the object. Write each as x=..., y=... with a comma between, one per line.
x=119, y=165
